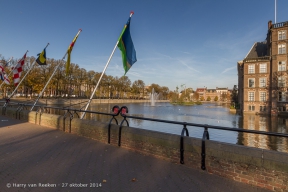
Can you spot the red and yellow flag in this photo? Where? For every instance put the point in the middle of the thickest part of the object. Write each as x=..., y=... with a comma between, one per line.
x=69, y=52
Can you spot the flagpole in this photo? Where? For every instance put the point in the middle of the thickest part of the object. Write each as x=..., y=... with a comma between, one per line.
x=91, y=97
x=5, y=104
x=275, y=11
x=10, y=71
x=51, y=76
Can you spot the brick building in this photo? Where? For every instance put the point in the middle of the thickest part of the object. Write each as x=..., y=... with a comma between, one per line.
x=262, y=74
x=202, y=93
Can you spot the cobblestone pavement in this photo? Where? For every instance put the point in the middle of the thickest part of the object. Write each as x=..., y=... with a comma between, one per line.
x=36, y=158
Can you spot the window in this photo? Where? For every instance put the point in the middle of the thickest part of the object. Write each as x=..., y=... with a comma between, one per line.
x=282, y=66
x=251, y=69
x=263, y=68
x=282, y=96
x=282, y=49
x=262, y=82
x=262, y=96
x=251, y=82
x=281, y=81
x=282, y=35
x=262, y=108
x=251, y=108
x=250, y=96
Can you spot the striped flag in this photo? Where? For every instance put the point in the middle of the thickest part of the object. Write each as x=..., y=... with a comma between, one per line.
x=1, y=69
x=3, y=75
x=18, y=70
x=126, y=47
x=69, y=52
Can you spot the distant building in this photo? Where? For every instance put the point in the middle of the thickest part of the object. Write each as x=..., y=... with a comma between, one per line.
x=202, y=93
x=262, y=74
x=211, y=93
x=223, y=93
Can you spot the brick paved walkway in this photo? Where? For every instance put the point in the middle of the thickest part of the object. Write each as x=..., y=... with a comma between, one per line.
x=32, y=154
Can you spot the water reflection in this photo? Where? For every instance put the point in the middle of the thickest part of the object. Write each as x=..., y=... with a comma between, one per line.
x=210, y=114
x=264, y=123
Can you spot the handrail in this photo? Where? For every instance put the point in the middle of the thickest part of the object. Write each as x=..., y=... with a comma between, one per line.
x=211, y=126
x=124, y=110
x=178, y=122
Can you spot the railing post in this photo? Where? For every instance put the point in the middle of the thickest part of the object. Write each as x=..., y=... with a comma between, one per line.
x=64, y=119
x=123, y=112
x=182, y=142
x=203, y=152
x=71, y=117
x=116, y=111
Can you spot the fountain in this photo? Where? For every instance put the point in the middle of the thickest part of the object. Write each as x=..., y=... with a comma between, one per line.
x=153, y=97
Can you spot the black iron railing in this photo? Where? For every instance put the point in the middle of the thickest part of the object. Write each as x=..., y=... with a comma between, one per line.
x=116, y=110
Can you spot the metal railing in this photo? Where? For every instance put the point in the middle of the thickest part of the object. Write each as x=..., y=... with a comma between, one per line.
x=116, y=110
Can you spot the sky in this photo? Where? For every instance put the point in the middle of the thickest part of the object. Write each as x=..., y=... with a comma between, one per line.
x=184, y=43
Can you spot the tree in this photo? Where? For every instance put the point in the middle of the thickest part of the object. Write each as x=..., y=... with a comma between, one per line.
x=154, y=86
x=137, y=88
x=78, y=82
x=234, y=97
x=208, y=98
x=223, y=96
x=195, y=96
x=164, y=92
x=124, y=85
x=216, y=98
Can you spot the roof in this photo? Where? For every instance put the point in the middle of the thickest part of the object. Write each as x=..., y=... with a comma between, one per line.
x=259, y=49
x=222, y=88
x=200, y=89
x=211, y=90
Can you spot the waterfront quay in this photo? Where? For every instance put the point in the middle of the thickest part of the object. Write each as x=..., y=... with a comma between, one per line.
x=38, y=158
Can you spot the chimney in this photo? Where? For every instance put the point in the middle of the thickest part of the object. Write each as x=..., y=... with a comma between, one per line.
x=269, y=24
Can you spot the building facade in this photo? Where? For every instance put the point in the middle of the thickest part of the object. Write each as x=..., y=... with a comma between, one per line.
x=218, y=94
x=262, y=74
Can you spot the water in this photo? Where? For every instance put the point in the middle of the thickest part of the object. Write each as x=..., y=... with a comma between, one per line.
x=208, y=113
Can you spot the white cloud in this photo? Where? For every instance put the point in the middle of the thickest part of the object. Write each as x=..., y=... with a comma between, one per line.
x=228, y=69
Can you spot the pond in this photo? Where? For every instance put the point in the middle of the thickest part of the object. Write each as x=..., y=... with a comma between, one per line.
x=208, y=113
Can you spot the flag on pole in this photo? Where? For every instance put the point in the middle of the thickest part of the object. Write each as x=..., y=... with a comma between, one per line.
x=4, y=77
x=127, y=48
x=1, y=69
x=41, y=60
x=69, y=53
x=17, y=70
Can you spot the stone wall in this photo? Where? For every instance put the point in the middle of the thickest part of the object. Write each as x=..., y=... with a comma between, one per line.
x=263, y=168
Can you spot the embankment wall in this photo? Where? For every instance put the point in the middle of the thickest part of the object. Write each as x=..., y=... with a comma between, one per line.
x=263, y=168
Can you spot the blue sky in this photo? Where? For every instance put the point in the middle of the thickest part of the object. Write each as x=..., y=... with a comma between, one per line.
x=196, y=43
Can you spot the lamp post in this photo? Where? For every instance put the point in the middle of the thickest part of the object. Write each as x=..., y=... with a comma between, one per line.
x=109, y=91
